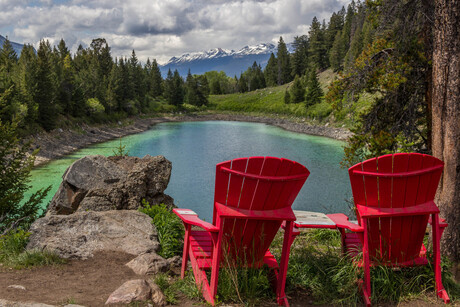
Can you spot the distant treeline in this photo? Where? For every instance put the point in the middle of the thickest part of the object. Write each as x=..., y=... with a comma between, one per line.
x=39, y=87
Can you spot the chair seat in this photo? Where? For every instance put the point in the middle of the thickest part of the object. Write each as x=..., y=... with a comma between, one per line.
x=353, y=246
x=201, y=247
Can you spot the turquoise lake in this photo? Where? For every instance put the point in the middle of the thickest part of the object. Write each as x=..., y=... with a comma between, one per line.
x=194, y=148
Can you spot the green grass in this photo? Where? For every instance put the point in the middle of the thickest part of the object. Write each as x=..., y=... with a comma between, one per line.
x=174, y=288
x=265, y=101
x=317, y=267
x=270, y=102
x=14, y=255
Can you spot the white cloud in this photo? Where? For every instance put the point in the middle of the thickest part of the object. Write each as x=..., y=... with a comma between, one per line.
x=161, y=29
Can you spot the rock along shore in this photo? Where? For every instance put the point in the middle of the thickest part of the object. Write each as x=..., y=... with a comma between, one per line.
x=59, y=142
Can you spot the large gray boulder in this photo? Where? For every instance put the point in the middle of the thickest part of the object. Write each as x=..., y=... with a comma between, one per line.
x=81, y=234
x=99, y=183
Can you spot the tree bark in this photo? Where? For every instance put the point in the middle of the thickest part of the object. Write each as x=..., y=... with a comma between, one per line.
x=446, y=118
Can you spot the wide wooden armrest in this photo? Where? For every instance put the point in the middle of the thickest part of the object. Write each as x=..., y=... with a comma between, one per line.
x=189, y=217
x=341, y=220
x=283, y=214
x=442, y=222
x=422, y=209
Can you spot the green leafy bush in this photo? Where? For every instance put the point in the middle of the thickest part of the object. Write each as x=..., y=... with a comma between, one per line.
x=94, y=106
x=169, y=227
x=15, y=166
x=319, y=110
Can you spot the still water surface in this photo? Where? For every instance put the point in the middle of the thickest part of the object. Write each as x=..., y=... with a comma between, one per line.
x=194, y=148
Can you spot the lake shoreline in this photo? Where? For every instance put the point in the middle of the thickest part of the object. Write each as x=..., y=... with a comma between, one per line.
x=59, y=142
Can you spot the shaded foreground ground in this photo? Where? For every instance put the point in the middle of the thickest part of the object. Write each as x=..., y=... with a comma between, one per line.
x=90, y=282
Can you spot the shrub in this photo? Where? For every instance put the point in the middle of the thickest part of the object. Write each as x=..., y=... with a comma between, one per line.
x=15, y=166
x=169, y=227
x=12, y=252
x=94, y=106
x=319, y=110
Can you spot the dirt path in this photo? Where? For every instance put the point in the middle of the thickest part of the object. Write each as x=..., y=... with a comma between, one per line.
x=86, y=282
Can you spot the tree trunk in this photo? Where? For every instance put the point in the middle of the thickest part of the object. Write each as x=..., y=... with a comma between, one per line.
x=446, y=118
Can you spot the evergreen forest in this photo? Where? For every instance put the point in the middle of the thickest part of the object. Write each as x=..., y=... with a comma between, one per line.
x=44, y=88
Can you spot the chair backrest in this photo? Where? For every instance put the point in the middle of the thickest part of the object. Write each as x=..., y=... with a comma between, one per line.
x=396, y=181
x=255, y=183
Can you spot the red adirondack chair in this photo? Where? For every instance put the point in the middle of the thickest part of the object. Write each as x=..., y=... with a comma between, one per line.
x=253, y=196
x=393, y=196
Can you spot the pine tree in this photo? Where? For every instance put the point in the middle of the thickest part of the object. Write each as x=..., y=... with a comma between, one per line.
x=314, y=92
x=191, y=90
x=62, y=50
x=255, y=77
x=336, y=52
x=271, y=71
x=300, y=57
x=113, y=89
x=317, y=48
x=356, y=36
x=8, y=57
x=136, y=77
x=156, y=80
x=45, y=91
x=15, y=166
x=242, y=83
x=284, y=65
x=297, y=91
x=174, y=88
x=10, y=106
x=26, y=82
x=179, y=91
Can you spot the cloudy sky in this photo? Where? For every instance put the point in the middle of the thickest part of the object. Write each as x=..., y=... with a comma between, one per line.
x=161, y=29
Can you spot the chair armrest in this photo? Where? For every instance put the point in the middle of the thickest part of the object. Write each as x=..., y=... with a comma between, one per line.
x=442, y=222
x=283, y=214
x=189, y=217
x=422, y=209
x=341, y=220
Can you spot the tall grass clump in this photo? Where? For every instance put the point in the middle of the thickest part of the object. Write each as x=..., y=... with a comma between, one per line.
x=169, y=227
x=239, y=283
x=175, y=288
x=13, y=253
x=317, y=266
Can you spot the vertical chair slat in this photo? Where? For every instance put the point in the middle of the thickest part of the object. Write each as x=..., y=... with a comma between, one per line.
x=371, y=194
x=400, y=164
x=385, y=165
x=409, y=231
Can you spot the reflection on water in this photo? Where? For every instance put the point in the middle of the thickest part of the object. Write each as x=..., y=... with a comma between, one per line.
x=194, y=148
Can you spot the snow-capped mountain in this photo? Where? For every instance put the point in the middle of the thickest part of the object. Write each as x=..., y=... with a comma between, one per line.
x=210, y=54
x=230, y=61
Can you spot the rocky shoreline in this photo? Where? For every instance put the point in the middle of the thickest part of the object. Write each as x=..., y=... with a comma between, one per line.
x=59, y=142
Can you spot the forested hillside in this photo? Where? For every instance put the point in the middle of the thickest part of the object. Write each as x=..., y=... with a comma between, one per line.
x=380, y=51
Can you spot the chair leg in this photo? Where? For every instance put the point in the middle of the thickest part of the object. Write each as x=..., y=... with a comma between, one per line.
x=366, y=266
x=216, y=254
x=342, y=237
x=440, y=291
x=185, y=251
x=280, y=294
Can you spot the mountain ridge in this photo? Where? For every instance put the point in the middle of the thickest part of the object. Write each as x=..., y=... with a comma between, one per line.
x=230, y=61
x=17, y=47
